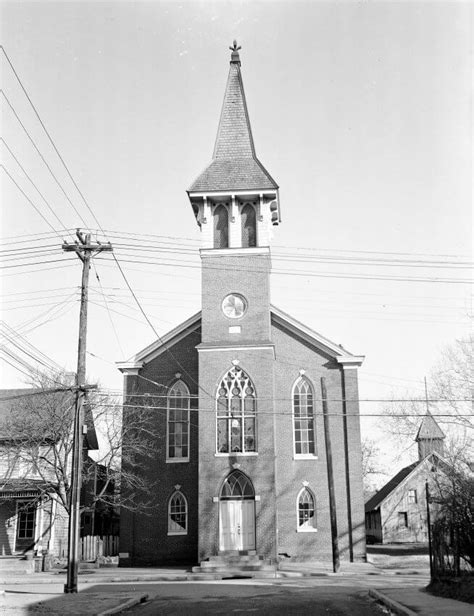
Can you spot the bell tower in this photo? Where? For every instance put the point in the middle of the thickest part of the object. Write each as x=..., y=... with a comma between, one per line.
x=236, y=204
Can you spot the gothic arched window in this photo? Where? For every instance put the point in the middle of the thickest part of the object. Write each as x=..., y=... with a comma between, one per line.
x=177, y=514
x=221, y=227
x=249, y=226
x=303, y=418
x=237, y=486
x=177, y=442
x=306, y=511
x=236, y=413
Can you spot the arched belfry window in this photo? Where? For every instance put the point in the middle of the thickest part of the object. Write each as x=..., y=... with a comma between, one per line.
x=221, y=227
x=303, y=418
x=177, y=446
x=306, y=511
x=237, y=486
x=177, y=514
x=236, y=413
x=249, y=226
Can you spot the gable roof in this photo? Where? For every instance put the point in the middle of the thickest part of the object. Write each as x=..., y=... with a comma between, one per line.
x=278, y=316
x=234, y=164
x=375, y=501
x=10, y=405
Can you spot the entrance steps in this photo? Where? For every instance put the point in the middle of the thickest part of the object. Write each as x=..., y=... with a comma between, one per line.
x=233, y=563
x=16, y=565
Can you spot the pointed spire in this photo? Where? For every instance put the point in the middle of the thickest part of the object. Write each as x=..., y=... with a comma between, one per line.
x=234, y=165
x=429, y=437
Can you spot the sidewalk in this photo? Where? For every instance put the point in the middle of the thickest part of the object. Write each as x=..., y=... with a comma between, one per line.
x=418, y=602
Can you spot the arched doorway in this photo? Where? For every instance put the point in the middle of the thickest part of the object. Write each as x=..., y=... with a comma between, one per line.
x=237, y=513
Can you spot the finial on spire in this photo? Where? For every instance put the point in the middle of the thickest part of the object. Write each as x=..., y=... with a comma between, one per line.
x=235, y=58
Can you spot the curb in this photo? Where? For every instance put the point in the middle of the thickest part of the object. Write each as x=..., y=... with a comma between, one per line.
x=124, y=606
x=394, y=606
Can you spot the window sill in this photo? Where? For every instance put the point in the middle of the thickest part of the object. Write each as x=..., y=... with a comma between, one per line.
x=306, y=530
x=174, y=533
x=176, y=460
x=236, y=453
x=305, y=456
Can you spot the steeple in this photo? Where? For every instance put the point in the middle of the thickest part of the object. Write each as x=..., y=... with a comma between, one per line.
x=430, y=437
x=234, y=165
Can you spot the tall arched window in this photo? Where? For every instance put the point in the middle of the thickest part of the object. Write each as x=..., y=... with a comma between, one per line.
x=236, y=413
x=177, y=514
x=303, y=418
x=177, y=441
x=249, y=226
x=306, y=511
x=221, y=227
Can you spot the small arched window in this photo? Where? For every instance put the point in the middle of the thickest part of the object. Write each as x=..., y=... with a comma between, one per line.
x=177, y=514
x=237, y=486
x=177, y=441
x=236, y=413
x=221, y=227
x=306, y=511
x=249, y=226
x=303, y=418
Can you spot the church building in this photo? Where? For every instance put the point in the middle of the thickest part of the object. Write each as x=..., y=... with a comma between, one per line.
x=258, y=417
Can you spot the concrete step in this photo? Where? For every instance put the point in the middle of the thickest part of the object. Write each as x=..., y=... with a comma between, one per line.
x=218, y=568
x=235, y=564
x=228, y=558
x=219, y=573
x=16, y=565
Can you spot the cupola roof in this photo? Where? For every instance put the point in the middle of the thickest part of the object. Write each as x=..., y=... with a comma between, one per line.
x=234, y=164
x=429, y=429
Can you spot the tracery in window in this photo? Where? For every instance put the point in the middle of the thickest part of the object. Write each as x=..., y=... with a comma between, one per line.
x=249, y=226
x=303, y=418
x=306, y=510
x=221, y=227
x=236, y=413
x=237, y=486
x=178, y=423
x=177, y=514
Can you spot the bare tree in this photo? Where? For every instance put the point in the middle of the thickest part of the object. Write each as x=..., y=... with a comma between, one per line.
x=371, y=467
x=450, y=398
x=36, y=443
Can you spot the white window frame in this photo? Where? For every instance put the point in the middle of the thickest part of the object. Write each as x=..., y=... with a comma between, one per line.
x=303, y=456
x=176, y=460
x=309, y=528
x=182, y=531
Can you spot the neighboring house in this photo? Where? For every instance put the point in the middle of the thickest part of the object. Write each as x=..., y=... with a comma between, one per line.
x=32, y=517
x=397, y=513
x=237, y=392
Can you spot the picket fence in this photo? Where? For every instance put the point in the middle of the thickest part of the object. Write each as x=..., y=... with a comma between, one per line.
x=93, y=546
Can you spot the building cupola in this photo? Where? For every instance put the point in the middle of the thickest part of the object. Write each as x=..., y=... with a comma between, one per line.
x=430, y=437
x=235, y=199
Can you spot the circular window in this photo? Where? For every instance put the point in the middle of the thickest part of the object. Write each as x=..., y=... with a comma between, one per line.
x=234, y=306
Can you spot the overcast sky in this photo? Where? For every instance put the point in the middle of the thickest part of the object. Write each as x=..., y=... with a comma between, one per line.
x=360, y=111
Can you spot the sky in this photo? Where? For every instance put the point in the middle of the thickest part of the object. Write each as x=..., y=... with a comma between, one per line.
x=361, y=111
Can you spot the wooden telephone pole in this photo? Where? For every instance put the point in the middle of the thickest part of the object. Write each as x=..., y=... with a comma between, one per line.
x=85, y=251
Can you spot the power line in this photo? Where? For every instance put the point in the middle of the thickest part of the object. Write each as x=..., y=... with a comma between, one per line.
x=33, y=184
x=42, y=157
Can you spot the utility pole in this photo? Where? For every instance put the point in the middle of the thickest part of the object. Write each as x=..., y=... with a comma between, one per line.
x=85, y=251
x=332, y=495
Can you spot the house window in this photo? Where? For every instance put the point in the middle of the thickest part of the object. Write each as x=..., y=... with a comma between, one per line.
x=412, y=496
x=303, y=418
x=26, y=521
x=249, y=226
x=221, y=227
x=178, y=423
x=402, y=519
x=236, y=413
x=306, y=511
x=177, y=514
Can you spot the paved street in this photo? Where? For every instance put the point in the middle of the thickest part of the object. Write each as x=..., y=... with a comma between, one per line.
x=263, y=599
